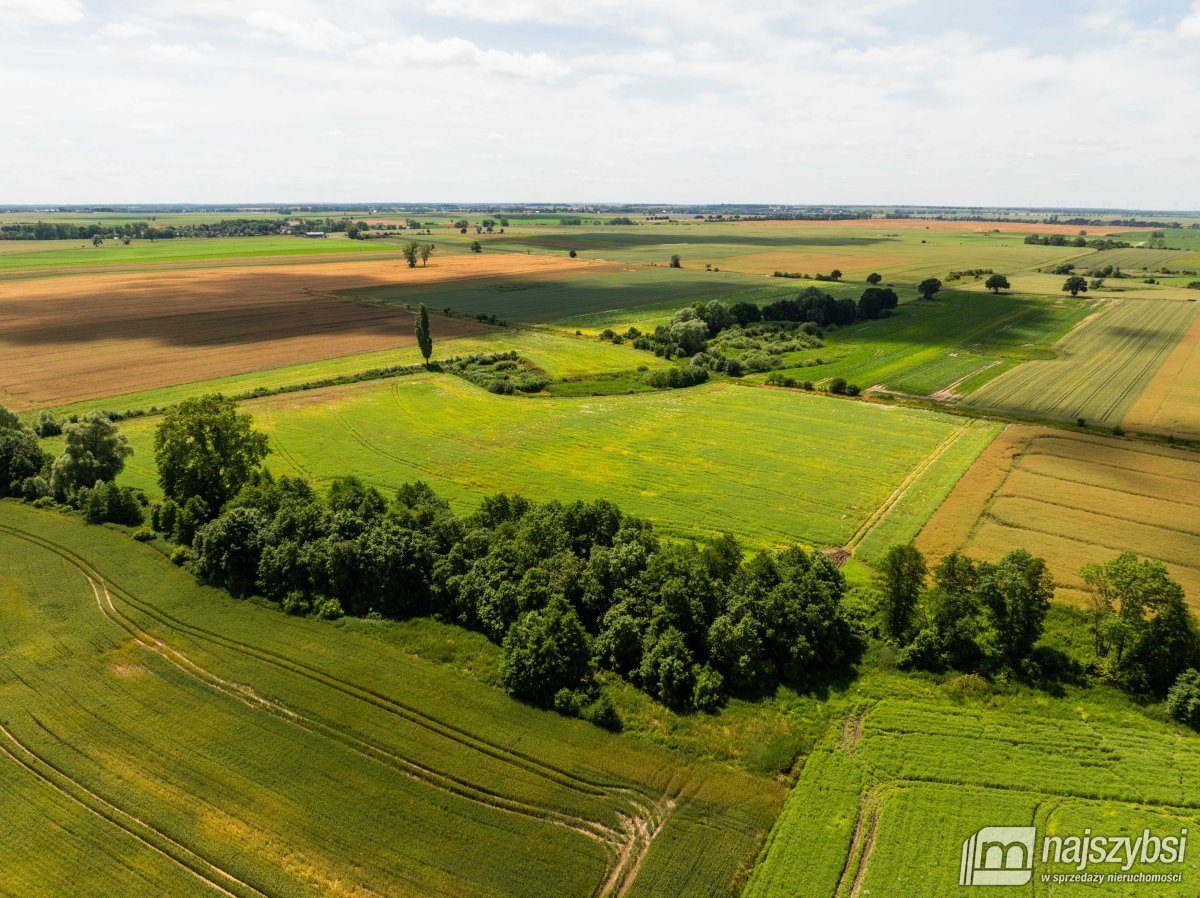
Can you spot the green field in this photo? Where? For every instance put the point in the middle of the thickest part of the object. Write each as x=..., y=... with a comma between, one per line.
x=773, y=467
x=927, y=347
x=51, y=256
x=884, y=804
x=1099, y=369
x=160, y=737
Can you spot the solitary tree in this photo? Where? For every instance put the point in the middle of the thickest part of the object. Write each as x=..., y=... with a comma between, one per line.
x=675, y=261
x=204, y=448
x=928, y=287
x=424, y=340
x=1075, y=284
x=412, y=249
x=998, y=282
x=874, y=278
x=476, y=247
x=425, y=252
x=836, y=274
x=572, y=254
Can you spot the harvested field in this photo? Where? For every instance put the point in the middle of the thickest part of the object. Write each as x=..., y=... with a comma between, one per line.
x=1075, y=499
x=81, y=337
x=1170, y=404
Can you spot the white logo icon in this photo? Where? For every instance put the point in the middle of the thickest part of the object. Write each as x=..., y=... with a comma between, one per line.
x=998, y=856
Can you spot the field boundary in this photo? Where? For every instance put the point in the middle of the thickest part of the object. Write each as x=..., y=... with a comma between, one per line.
x=877, y=516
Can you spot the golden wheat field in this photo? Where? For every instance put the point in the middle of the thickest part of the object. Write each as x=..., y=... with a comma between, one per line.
x=1075, y=499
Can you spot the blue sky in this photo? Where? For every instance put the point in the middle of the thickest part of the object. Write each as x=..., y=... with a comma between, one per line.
x=859, y=101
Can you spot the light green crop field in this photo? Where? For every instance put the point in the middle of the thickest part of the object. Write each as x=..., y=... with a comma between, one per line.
x=53, y=256
x=884, y=805
x=918, y=500
x=903, y=254
x=1099, y=369
x=158, y=737
x=774, y=467
x=926, y=347
x=1133, y=258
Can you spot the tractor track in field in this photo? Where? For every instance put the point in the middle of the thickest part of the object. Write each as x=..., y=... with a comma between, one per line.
x=154, y=839
x=876, y=517
x=245, y=694
x=626, y=845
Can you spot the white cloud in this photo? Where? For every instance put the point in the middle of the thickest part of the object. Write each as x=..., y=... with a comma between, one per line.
x=176, y=52
x=40, y=12
x=126, y=30
x=1190, y=26
x=315, y=34
x=415, y=50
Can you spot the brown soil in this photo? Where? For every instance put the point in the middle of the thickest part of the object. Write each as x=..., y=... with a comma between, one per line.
x=86, y=336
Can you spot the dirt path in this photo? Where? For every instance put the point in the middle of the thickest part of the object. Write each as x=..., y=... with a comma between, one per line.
x=898, y=493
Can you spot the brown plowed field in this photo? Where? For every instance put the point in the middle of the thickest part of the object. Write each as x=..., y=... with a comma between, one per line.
x=88, y=336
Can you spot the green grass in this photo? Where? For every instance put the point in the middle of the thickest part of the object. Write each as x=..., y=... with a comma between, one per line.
x=918, y=764
x=179, y=730
x=1098, y=370
x=49, y=255
x=772, y=466
x=929, y=346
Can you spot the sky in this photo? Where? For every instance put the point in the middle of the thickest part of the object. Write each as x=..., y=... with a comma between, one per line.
x=941, y=102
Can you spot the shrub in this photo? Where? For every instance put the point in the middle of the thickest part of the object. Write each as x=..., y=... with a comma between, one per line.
x=853, y=389
x=569, y=702
x=144, y=534
x=296, y=602
x=603, y=713
x=709, y=692
x=1183, y=700
x=328, y=609
x=179, y=556
x=838, y=386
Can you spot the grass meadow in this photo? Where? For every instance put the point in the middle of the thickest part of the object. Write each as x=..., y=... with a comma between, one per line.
x=774, y=467
x=160, y=737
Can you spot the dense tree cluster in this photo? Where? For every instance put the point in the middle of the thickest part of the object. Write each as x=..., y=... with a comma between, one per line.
x=566, y=589
x=82, y=476
x=975, y=616
x=988, y=617
x=1080, y=241
x=744, y=337
x=1144, y=633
